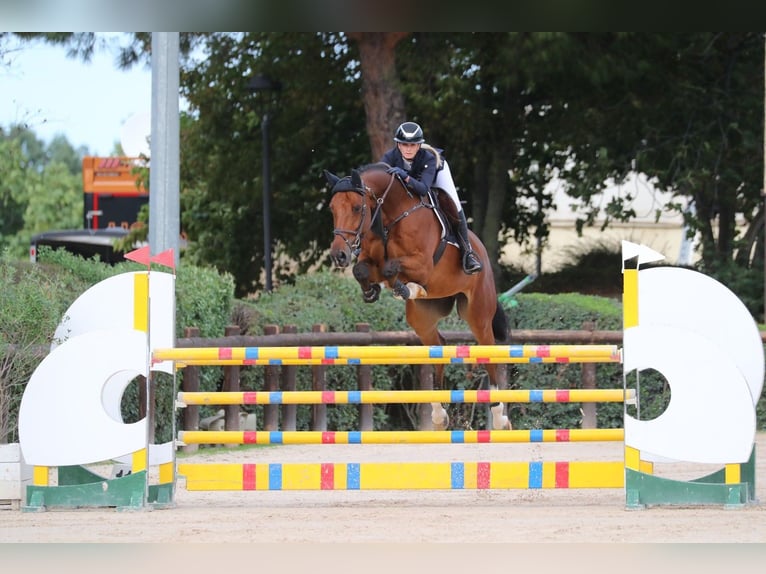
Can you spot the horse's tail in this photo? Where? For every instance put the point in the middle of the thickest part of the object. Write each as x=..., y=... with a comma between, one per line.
x=500, y=328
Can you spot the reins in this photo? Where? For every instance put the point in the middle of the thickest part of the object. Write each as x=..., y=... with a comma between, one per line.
x=379, y=200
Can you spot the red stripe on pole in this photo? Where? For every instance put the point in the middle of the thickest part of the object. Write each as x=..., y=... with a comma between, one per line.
x=543, y=351
x=562, y=435
x=482, y=474
x=249, y=397
x=328, y=397
x=463, y=351
x=328, y=437
x=328, y=476
x=562, y=396
x=482, y=436
x=224, y=352
x=562, y=474
x=248, y=476
x=249, y=437
x=482, y=396
x=304, y=352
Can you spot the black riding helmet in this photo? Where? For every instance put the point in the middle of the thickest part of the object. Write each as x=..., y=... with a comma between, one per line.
x=409, y=132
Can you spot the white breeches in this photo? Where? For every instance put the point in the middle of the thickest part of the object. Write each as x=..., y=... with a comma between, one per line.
x=444, y=181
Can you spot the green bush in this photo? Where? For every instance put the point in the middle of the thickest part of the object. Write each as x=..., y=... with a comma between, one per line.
x=36, y=296
x=30, y=309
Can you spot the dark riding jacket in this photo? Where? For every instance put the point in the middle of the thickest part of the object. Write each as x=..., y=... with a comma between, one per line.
x=422, y=172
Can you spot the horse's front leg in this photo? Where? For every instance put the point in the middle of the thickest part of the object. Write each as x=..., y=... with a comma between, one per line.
x=410, y=290
x=370, y=291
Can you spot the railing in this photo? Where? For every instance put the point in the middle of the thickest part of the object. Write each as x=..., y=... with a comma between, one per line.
x=283, y=378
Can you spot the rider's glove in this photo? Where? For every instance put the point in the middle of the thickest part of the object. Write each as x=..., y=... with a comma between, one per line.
x=398, y=172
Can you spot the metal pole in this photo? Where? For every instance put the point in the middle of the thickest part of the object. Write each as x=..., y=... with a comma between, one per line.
x=266, y=203
x=164, y=205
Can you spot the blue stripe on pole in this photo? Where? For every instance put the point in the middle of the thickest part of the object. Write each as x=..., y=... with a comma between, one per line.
x=251, y=352
x=353, y=478
x=275, y=361
x=536, y=435
x=275, y=397
x=457, y=475
x=535, y=474
x=331, y=352
x=355, y=437
x=535, y=396
x=354, y=397
x=435, y=352
x=516, y=351
x=275, y=437
x=275, y=476
x=457, y=436
x=457, y=361
x=457, y=396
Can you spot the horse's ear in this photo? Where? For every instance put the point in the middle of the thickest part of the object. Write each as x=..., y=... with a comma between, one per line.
x=356, y=179
x=331, y=178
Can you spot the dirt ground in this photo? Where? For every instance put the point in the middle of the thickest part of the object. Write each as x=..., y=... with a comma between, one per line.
x=401, y=517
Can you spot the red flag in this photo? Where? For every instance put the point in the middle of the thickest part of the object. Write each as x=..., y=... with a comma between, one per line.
x=166, y=258
x=140, y=255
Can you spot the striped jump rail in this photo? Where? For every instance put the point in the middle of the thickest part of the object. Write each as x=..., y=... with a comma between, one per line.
x=403, y=475
x=389, y=355
x=401, y=397
x=401, y=437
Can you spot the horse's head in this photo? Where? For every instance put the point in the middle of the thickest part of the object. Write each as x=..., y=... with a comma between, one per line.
x=350, y=209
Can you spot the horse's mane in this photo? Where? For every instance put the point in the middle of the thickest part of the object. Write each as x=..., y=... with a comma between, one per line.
x=377, y=166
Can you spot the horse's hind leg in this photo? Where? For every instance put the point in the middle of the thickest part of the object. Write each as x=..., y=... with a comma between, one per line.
x=423, y=316
x=480, y=317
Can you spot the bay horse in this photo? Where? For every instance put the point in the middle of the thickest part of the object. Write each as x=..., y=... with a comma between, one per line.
x=404, y=243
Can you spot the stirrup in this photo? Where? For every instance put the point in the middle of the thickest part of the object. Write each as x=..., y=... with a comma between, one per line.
x=471, y=265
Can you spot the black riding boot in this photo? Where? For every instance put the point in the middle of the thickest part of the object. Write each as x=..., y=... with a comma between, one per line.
x=471, y=263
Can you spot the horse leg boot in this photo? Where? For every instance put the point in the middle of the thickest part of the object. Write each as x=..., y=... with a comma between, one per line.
x=471, y=263
x=500, y=420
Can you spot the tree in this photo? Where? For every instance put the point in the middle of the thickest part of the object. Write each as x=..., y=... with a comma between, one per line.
x=383, y=100
x=513, y=110
x=37, y=193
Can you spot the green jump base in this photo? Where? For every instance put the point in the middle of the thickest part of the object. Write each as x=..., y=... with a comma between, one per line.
x=80, y=488
x=644, y=490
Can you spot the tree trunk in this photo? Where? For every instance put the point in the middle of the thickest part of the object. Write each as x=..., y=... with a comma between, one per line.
x=383, y=100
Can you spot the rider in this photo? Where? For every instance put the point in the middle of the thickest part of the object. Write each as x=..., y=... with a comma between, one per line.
x=421, y=167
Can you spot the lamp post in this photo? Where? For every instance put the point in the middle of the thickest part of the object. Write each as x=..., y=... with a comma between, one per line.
x=268, y=90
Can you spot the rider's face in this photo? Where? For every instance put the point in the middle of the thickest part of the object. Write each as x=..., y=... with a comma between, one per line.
x=408, y=150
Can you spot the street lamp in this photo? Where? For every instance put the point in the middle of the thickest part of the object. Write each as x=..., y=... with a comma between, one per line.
x=269, y=91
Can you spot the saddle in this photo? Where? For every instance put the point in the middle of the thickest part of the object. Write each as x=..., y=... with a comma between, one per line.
x=445, y=212
x=446, y=215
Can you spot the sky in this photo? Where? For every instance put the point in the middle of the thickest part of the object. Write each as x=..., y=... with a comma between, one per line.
x=88, y=103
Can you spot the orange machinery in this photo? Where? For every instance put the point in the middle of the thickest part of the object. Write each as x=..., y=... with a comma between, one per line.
x=113, y=192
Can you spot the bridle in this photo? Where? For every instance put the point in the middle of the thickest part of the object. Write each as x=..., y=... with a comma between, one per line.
x=358, y=233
